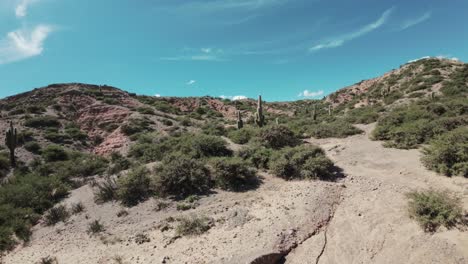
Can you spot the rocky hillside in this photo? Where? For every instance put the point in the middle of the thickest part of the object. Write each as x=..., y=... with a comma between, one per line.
x=419, y=79
x=96, y=118
x=101, y=175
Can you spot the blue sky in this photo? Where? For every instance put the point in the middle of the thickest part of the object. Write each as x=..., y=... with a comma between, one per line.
x=282, y=49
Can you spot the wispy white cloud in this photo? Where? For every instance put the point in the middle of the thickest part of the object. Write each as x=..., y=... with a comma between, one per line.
x=234, y=98
x=21, y=9
x=220, y=5
x=157, y=95
x=23, y=43
x=339, y=41
x=307, y=93
x=201, y=57
x=203, y=54
x=191, y=82
x=413, y=22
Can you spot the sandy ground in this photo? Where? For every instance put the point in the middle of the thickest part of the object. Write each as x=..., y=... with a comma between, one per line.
x=360, y=219
x=371, y=224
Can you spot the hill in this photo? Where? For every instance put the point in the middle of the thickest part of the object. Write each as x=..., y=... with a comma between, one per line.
x=106, y=176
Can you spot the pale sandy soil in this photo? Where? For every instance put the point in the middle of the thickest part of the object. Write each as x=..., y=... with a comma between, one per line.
x=360, y=219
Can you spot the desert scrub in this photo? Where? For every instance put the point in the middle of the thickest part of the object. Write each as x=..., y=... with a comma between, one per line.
x=54, y=153
x=258, y=156
x=448, y=154
x=335, y=129
x=193, y=225
x=364, y=115
x=57, y=214
x=241, y=136
x=134, y=126
x=106, y=190
x=277, y=137
x=134, y=187
x=42, y=122
x=181, y=176
x=23, y=200
x=410, y=126
x=233, y=174
x=303, y=162
x=193, y=145
x=33, y=147
x=433, y=209
x=95, y=227
x=214, y=129
x=77, y=208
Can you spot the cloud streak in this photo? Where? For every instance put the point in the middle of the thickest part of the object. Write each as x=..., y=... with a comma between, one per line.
x=307, y=93
x=21, y=9
x=234, y=98
x=221, y=5
x=339, y=41
x=191, y=82
x=413, y=22
x=22, y=44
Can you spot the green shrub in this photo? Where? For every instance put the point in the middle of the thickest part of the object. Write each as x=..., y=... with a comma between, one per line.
x=303, y=162
x=167, y=122
x=95, y=227
x=33, y=147
x=111, y=101
x=416, y=124
x=75, y=133
x=214, y=129
x=54, y=153
x=106, y=191
x=433, y=209
x=134, y=187
x=241, y=136
x=119, y=163
x=4, y=165
x=277, y=137
x=134, y=126
x=55, y=136
x=146, y=110
x=181, y=176
x=77, y=208
x=194, y=145
x=42, y=122
x=448, y=154
x=57, y=214
x=233, y=174
x=193, y=225
x=363, y=115
x=336, y=129
x=258, y=156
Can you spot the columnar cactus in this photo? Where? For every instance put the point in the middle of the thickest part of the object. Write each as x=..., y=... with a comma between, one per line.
x=11, y=141
x=433, y=96
x=277, y=121
x=240, y=123
x=329, y=110
x=314, y=113
x=259, y=117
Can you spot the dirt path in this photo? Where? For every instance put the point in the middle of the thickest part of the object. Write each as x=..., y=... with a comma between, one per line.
x=371, y=224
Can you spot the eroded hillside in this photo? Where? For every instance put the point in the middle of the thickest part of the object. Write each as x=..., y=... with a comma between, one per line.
x=105, y=176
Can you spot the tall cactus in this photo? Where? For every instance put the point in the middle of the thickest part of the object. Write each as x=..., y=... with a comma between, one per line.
x=11, y=141
x=259, y=117
x=329, y=110
x=240, y=123
x=433, y=96
x=314, y=113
